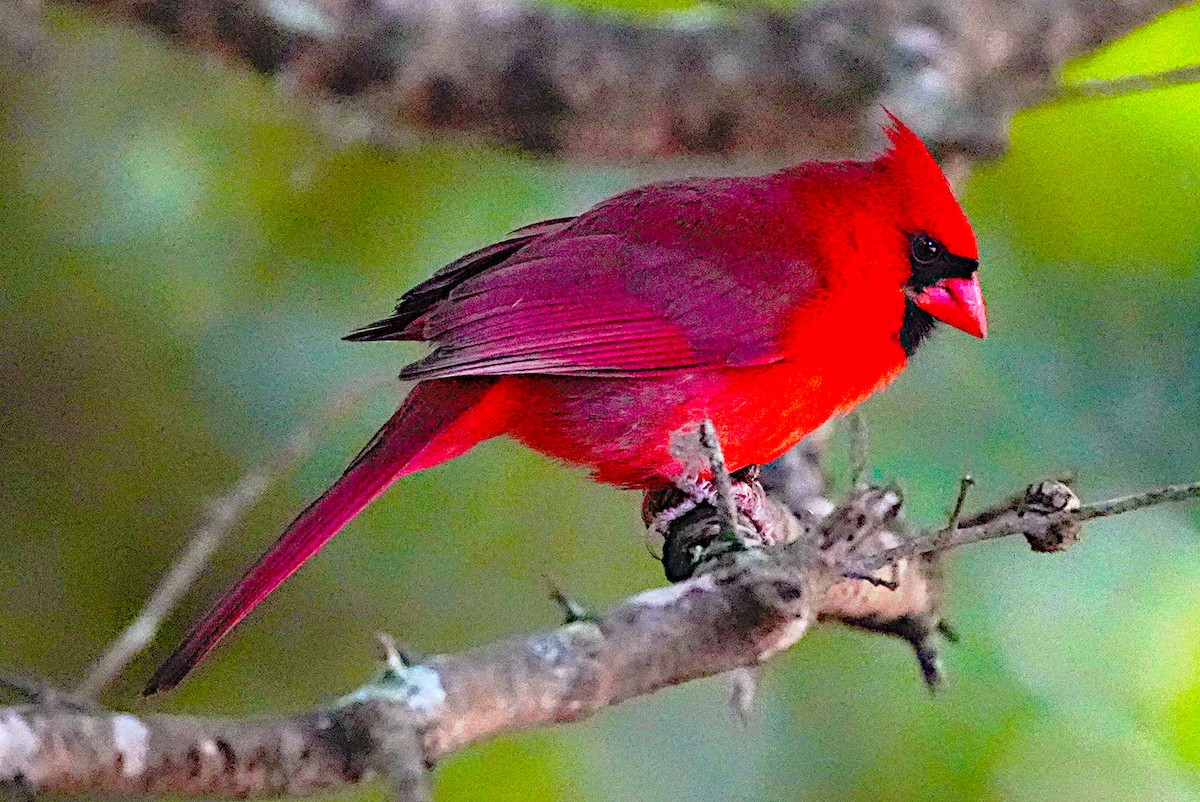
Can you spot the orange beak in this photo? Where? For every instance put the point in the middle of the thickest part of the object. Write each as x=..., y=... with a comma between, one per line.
x=957, y=302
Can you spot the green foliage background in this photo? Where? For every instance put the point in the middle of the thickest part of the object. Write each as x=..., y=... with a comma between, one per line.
x=181, y=249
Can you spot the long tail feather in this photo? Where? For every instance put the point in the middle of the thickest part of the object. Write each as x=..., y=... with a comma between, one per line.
x=438, y=421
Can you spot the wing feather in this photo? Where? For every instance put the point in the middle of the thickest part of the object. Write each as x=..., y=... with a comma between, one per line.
x=684, y=276
x=405, y=323
x=595, y=306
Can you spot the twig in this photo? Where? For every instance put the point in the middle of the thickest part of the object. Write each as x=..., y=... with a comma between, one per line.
x=1150, y=498
x=1113, y=87
x=397, y=656
x=859, y=437
x=963, y=488
x=726, y=505
x=743, y=691
x=572, y=610
x=39, y=692
x=28, y=688
x=1012, y=522
x=219, y=520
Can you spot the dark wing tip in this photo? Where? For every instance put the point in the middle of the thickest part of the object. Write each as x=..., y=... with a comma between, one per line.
x=393, y=327
x=405, y=322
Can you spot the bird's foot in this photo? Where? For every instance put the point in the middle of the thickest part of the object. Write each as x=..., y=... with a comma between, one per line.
x=691, y=492
x=688, y=517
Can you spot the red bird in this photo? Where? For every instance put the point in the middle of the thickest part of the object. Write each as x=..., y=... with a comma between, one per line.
x=765, y=304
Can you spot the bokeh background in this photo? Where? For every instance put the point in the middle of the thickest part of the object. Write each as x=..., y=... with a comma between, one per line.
x=181, y=248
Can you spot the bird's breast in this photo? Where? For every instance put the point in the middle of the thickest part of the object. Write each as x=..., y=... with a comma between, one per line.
x=622, y=429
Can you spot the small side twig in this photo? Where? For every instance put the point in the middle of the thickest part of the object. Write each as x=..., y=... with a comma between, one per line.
x=39, y=692
x=572, y=610
x=948, y=630
x=722, y=482
x=396, y=656
x=28, y=688
x=858, y=448
x=964, y=487
x=1114, y=87
x=1015, y=522
x=743, y=690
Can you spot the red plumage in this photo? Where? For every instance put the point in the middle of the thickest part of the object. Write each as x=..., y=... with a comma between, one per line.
x=766, y=304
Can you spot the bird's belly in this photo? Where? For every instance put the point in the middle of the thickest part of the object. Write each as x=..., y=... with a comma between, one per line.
x=623, y=430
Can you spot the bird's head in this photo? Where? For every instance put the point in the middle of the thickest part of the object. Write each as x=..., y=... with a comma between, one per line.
x=940, y=256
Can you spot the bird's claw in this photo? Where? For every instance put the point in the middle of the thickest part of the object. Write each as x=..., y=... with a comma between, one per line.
x=747, y=499
x=681, y=515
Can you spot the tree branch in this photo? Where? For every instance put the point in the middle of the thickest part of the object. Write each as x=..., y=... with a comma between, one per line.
x=757, y=83
x=1019, y=519
x=738, y=610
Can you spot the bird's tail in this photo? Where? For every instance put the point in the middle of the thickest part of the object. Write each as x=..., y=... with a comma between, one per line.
x=439, y=420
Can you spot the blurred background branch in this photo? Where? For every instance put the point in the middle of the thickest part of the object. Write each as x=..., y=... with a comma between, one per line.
x=218, y=520
x=748, y=81
x=1090, y=90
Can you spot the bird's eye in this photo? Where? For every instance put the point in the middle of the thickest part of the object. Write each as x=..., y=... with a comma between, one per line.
x=925, y=250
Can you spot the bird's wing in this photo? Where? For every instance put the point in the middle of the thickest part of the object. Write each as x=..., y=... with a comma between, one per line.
x=406, y=322
x=601, y=305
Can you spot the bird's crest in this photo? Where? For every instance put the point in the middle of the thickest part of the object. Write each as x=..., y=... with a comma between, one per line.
x=915, y=175
x=909, y=154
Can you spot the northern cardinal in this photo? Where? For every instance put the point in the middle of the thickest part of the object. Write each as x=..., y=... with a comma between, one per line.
x=766, y=304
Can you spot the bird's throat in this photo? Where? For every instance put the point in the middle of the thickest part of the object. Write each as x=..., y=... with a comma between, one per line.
x=917, y=325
